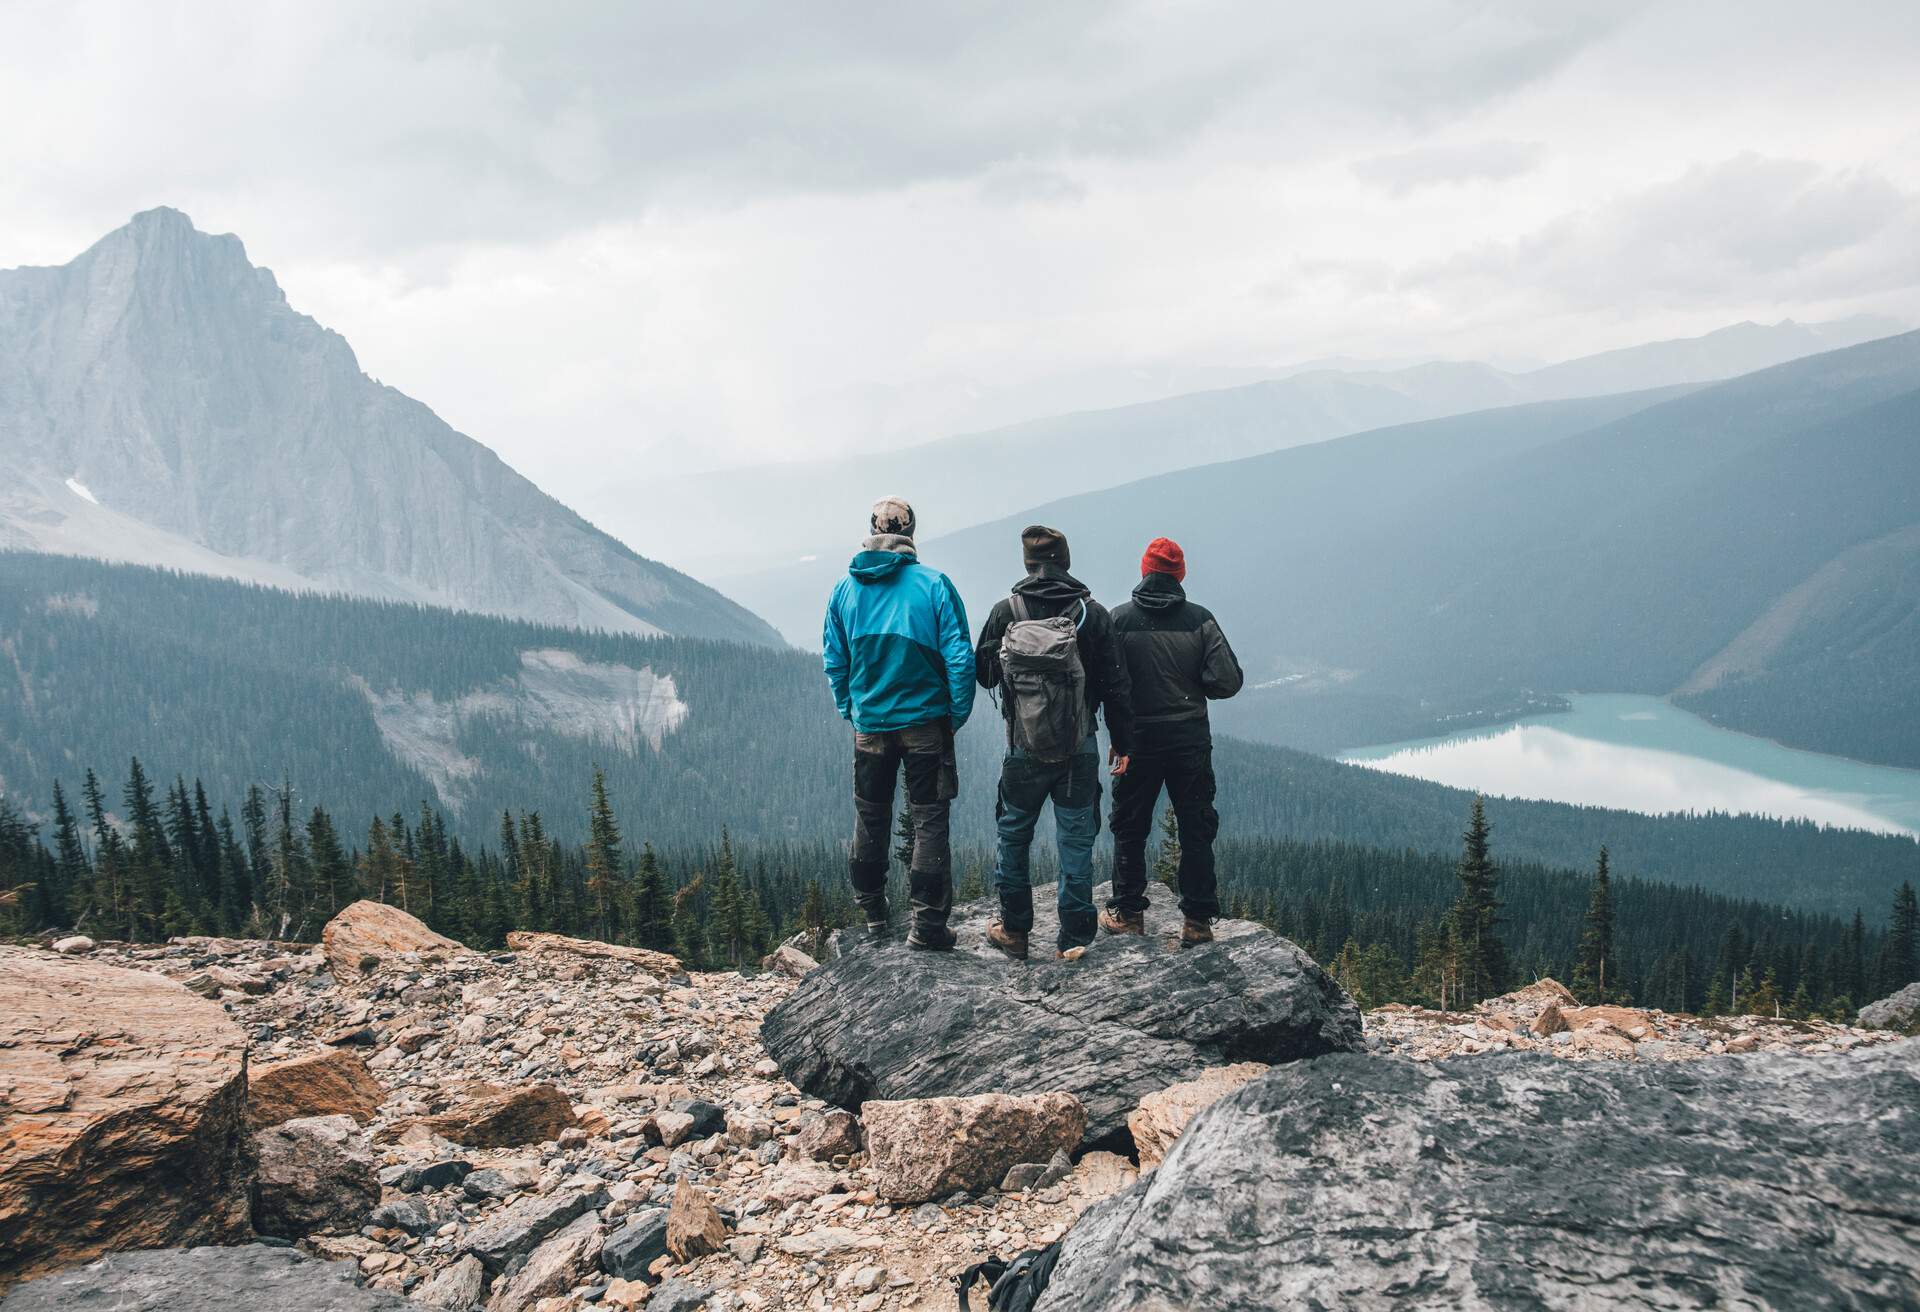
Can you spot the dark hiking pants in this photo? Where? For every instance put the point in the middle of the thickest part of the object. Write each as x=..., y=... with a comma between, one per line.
x=926, y=750
x=1187, y=775
x=1026, y=785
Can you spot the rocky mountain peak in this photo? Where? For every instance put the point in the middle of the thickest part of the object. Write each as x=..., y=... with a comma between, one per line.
x=216, y=429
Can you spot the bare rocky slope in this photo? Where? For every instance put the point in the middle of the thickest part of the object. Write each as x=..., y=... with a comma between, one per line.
x=162, y=404
x=571, y=1123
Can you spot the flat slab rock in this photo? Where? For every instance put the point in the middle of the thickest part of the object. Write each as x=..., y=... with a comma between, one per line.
x=253, y=1276
x=123, y=1105
x=1516, y=1181
x=1129, y=1018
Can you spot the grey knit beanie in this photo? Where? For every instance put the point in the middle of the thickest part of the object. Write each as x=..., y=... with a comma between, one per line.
x=892, y=515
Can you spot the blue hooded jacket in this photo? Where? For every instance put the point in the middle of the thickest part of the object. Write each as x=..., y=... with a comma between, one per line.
x=897, y=648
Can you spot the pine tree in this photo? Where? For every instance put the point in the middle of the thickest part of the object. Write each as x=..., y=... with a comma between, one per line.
x=1594, y=975
x=236, y=904
x=379, y=868
x=70, y=859
x=1475, y=917
x=603, y=855
x=1853, y=960
x=687, y=944
x=652, y=914
x=149, y=858
x=1166, y=862
x=332, y=871
x=253, y=820
x=1800, y=1006
x=1900, y=950
x=290, y=887
x=813, y=914
x=903, y=839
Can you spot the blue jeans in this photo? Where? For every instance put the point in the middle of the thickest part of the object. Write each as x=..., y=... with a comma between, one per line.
x=1074, y=787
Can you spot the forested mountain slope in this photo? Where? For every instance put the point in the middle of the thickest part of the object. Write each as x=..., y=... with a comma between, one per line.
x=363, y=706
x=161, y=403
x=1306, y=492
x=1378, y=582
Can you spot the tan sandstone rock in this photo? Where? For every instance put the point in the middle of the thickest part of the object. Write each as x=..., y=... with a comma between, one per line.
x=1161, y=1117
x=1623, y=1019
x=655, y=963
x=489, y=1116
x=366, y=935
x=333, y=1082
x=694, y=1225
x=926, y=1148
x=122, y=1114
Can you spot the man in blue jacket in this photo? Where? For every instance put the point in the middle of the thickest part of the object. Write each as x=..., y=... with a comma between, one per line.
x=901, y=664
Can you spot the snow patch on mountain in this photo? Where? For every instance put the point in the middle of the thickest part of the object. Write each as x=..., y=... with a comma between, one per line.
x=79, y=489
x=555, y=691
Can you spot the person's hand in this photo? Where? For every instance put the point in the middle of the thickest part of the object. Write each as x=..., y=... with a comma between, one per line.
x=1117, y=764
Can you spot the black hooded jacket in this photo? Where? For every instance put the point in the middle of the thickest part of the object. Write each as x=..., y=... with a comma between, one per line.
x=1177, y=660
x=1049, y=590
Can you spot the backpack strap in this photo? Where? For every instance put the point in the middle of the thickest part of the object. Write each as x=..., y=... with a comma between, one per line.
x=1020, y=611
x=992, y=1269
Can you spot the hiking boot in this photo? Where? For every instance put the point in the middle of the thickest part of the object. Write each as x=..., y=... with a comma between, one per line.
x=1071, y=954
x=929, y=938
x=1010, y=941
x=1195, y=932
x=1123, y=922
x=877, y=918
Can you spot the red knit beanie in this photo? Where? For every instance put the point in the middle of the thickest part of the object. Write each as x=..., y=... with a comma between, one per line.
x=1164, y=557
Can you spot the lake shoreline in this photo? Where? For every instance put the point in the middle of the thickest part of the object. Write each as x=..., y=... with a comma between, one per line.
x=1644, y=753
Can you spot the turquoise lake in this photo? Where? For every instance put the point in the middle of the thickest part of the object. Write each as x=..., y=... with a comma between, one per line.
x=1642, y=754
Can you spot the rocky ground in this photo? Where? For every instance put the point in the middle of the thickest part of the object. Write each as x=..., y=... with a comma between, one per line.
x=572, y=1124
x=663, y=1080
x=1545, y=1017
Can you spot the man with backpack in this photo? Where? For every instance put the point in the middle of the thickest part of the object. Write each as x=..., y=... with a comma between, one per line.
x=1177, y=659
x=1049, y=647
x=901, y=668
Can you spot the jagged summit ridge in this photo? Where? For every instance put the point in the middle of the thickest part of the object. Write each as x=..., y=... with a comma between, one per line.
x=217, y=429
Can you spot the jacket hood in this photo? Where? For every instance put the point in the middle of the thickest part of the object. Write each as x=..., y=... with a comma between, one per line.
x=1050, y=583
x=1159, y=592
x=873, y=565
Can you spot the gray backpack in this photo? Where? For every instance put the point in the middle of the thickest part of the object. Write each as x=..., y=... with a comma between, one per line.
x=1046, y=685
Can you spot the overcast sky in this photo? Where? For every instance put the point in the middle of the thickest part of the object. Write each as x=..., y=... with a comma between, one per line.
x=703, y=233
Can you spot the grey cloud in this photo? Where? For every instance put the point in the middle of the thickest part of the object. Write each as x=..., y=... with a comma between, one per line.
x=1743, y=229
x=1482, y=161
x=493, y=120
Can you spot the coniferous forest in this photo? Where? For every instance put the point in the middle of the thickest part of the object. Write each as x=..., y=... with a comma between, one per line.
x=357, y=705
x=145, y=859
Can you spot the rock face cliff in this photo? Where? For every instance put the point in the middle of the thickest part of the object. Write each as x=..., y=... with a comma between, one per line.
x=1519, y=1181
x=161, y=403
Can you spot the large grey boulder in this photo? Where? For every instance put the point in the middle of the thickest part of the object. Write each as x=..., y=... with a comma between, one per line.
x=1518, y=1181
x=1130, y=1017
x=252, y=1276
x=1900, y=1011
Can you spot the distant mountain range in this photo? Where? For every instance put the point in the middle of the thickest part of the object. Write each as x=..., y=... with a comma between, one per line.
x=161, y=403
x=817, y=508
x=1753, y=545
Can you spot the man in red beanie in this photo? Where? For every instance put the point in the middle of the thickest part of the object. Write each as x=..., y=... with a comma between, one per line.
x=1177, y=659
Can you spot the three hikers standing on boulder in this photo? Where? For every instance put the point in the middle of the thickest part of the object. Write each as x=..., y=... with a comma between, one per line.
x=903, y=671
